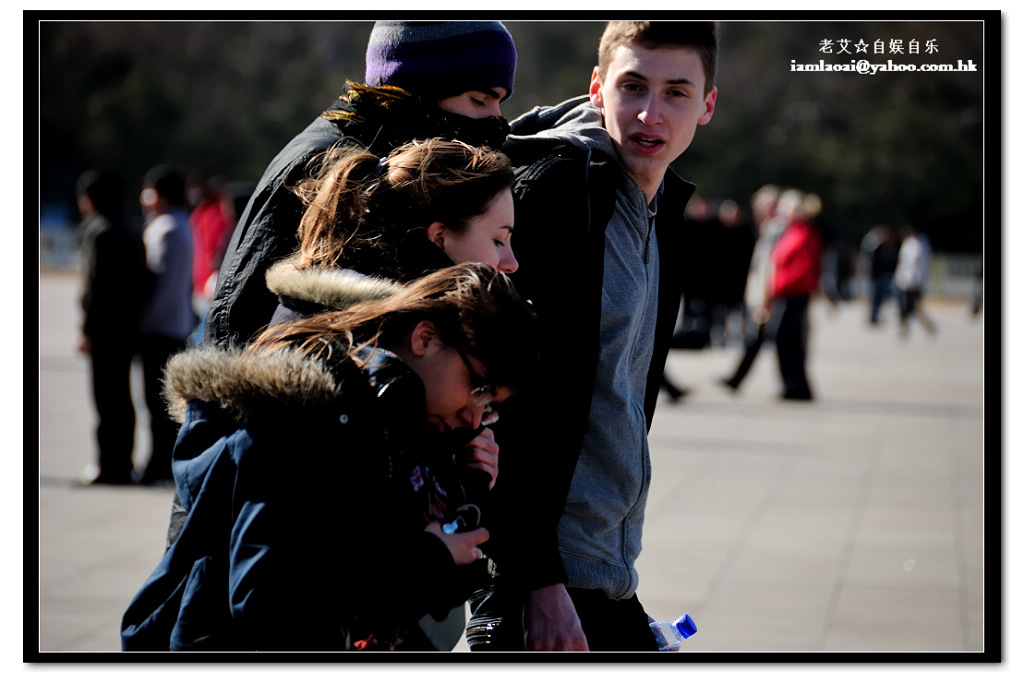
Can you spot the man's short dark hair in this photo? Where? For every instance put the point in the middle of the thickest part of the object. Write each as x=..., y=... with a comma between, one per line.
x=168, y=182
x=701, y=36
x=104, y=189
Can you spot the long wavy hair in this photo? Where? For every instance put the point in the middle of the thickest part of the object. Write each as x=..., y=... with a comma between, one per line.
x=475, y=308
x=362, y=209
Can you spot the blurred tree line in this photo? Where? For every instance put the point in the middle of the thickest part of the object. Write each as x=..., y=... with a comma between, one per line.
x=220, y=98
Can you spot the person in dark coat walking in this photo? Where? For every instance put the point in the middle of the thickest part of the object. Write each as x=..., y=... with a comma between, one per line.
x=114, y=285
x=884, y=254
x=423, y=80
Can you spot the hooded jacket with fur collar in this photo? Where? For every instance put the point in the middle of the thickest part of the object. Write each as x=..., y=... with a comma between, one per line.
x=307, y=485
x=302, y=293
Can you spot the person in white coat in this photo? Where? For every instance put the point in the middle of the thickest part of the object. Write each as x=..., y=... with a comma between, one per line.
x=911, y=279
x=167, y=317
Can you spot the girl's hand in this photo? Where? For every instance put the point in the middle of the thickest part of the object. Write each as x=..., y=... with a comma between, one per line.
x=463, y=545
x=482, y=454
x=761, y=315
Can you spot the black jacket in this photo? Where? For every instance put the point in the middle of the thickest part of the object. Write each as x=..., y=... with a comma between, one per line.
x=115, y=280
x=564, y=199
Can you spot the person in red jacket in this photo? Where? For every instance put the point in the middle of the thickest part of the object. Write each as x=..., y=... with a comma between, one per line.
x=212, y=221
x=796, y=264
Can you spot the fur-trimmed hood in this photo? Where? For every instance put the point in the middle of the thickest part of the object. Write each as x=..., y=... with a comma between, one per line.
x=242, y=382
x=333, y=288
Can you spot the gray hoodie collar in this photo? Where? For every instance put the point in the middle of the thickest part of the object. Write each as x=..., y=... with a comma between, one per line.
x=576, y=122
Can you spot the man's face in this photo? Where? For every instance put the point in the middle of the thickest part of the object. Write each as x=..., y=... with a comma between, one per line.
x=652, y=101
x=476, y=104
x=150, y=201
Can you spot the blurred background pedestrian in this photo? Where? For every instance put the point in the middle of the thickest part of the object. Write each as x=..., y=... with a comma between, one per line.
x=772, y=209
x=911, y=279
x=167, y=316
x=796, y=277
x=114, y=285
x=212, y=219
x=882, y=245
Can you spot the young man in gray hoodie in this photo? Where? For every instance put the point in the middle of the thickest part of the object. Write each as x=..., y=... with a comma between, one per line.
x=601, y=228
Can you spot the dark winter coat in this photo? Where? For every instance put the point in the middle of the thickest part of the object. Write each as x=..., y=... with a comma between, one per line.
x=115, y=280
x=308, y=484
x=379, y=118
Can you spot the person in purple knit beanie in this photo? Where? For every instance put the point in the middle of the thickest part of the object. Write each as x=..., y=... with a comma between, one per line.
x=423, y=80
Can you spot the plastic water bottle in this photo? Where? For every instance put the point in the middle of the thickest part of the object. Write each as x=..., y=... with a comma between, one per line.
x=467, y=519
x=671, y=634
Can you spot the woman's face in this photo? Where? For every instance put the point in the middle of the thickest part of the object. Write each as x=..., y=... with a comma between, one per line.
x=450, y=379
x=487, y=239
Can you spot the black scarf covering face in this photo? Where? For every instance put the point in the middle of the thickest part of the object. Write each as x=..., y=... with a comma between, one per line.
x=383, y=118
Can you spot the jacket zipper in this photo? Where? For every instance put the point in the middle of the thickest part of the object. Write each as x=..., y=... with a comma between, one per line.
x=647, y=245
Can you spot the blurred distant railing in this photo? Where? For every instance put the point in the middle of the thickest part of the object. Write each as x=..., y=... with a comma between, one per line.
x=953, y=275
x=950, y=276
x=58, y=240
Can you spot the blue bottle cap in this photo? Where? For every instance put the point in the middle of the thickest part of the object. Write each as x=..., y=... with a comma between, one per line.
x=685, y=625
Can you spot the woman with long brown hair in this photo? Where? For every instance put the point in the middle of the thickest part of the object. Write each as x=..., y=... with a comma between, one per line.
x=377, y=222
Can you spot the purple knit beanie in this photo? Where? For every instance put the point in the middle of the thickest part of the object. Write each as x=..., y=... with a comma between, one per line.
x=439, y=59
